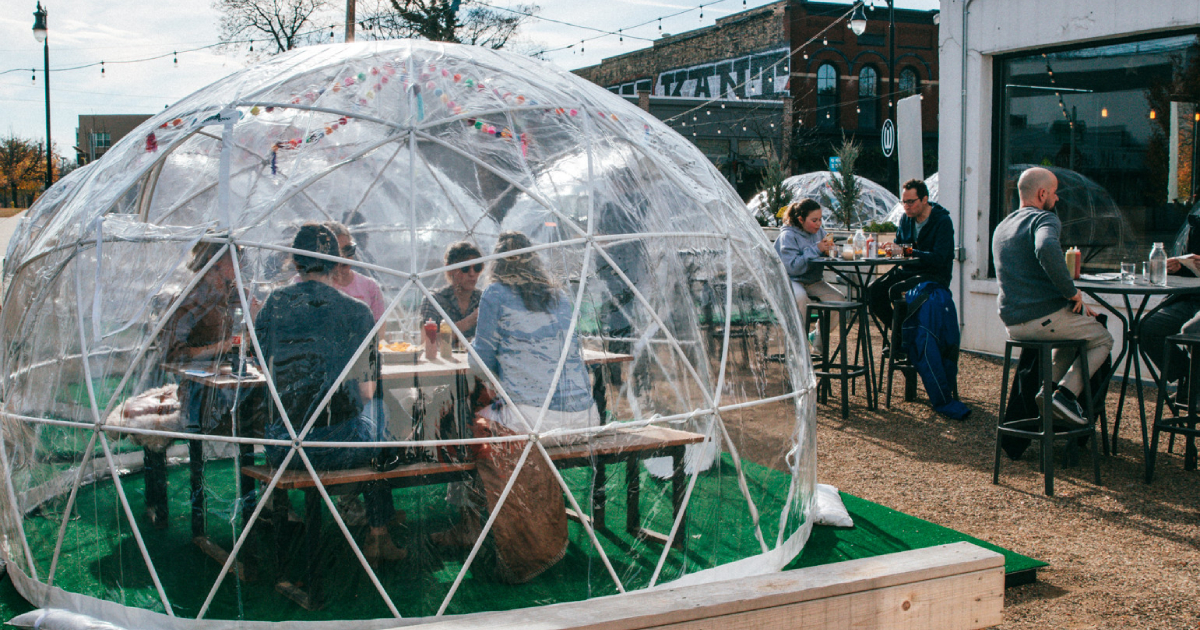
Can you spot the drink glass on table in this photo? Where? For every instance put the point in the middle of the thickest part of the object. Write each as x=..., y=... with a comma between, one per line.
x=1128, y=272
x=908, y=251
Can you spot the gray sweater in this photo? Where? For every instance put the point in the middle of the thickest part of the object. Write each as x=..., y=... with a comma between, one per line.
x=798, y=251
x=1034, y=281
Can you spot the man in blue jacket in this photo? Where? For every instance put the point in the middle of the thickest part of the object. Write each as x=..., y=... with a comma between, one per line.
x=927, y=228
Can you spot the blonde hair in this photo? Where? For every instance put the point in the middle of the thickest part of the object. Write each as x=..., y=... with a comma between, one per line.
x=524, y=273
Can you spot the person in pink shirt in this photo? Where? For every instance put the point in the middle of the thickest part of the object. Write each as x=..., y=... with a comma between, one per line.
x=349, y=281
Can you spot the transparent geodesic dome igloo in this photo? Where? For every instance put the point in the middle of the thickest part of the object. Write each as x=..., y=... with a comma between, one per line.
x=874, y=203
x=655, y=384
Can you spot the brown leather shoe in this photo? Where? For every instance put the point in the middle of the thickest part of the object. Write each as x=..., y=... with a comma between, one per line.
x=379, y=548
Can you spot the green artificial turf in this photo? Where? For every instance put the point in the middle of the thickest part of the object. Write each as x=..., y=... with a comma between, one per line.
x=880, y=530
x=101, y=558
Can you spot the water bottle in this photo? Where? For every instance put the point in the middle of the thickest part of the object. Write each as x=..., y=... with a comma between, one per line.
x=860, y=244
x=1158, y=265
x=239, y=340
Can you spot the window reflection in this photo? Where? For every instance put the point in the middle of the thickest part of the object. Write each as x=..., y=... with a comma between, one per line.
x=868, y=81
x=1101, y=116
x=827, y=95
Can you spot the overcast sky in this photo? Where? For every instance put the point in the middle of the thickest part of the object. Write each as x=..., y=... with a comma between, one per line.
x=89, y=31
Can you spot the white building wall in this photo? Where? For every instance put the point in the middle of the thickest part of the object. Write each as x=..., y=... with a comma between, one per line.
x=996, y=27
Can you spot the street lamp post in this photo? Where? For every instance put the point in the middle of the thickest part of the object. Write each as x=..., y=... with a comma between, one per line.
x=858, y=24
x=39, y=33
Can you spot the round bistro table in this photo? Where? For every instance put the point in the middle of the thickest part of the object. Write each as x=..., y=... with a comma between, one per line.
x=1131, y=317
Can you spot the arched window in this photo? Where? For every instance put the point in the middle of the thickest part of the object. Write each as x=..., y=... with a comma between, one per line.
x=909, y=84
x=868, y=101
x=827, y=95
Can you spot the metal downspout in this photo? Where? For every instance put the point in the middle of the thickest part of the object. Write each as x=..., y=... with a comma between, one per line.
x=962, y=174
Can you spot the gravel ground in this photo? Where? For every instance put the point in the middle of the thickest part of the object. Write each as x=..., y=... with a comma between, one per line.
x=1122, y=554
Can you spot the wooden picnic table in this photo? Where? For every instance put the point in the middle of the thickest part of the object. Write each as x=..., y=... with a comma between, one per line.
x=621, y=445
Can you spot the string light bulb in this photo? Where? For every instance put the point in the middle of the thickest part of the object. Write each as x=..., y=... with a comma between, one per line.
x=620, y=35
x=175, y=58
x=1153, y=114
x=824, y=41
x=34, y=77
x=659, y=25
x=1104, y=112
x=102, y=74
x=252, y=45
x=702, y=12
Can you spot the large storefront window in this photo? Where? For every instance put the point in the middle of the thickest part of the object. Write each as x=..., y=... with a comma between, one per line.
x=1101, y=118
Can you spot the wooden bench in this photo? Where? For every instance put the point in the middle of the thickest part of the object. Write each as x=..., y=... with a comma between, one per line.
x=624, y=445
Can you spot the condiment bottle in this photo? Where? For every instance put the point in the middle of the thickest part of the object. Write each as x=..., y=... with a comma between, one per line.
x=444, y=336
x=431, y=339
x=870, y=252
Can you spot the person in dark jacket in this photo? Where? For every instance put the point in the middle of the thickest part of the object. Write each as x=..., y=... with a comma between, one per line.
x=927, y=227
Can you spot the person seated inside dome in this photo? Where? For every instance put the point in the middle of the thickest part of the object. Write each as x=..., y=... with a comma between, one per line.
x=349, y=281
x=460, y=300
x=309, y=332
x=201, y=332
x=523, y=322
x=522, y=327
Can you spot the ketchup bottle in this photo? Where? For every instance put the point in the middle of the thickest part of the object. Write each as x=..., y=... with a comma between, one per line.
x=431, y=339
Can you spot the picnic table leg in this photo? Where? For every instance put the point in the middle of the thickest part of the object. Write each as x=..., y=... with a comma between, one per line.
x=196, y=457
x=246, y=485
x=633, y=495
x=312, y=539
x=600, y=480
x=678, y=487
x=154, y=477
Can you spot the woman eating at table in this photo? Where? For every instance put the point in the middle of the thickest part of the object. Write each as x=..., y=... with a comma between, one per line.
x=801, y=242
x=460, y=300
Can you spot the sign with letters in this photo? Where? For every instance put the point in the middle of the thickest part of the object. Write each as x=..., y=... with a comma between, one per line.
x=761, y=75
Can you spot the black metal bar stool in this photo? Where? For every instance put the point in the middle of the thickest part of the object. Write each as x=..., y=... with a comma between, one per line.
x=1028, y=427
x=893, y=357
x=1184, y=425
x=835, y=364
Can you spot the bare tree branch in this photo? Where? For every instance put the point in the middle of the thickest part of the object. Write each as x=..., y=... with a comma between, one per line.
x=455, y=21
x=283, y=23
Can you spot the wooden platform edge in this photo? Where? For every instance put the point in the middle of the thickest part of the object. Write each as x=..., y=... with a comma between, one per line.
x=959, y=586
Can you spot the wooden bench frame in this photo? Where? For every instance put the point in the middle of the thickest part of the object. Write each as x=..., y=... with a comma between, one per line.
x=628, y=446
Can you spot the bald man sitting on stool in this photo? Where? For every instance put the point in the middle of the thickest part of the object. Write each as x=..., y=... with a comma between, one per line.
x=1038, y=300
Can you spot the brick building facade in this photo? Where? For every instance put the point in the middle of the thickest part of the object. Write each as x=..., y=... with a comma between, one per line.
x=97, y=133
x=773, y=79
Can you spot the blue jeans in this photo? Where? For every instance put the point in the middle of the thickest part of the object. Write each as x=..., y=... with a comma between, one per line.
x=367, y=427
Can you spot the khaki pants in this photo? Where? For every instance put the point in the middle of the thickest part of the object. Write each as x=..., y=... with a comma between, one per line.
x=819, y=291
x=1064, y=324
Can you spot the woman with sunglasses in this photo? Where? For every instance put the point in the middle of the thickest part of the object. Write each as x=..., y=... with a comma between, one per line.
x=460, y=300
x=349, y=281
